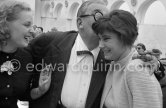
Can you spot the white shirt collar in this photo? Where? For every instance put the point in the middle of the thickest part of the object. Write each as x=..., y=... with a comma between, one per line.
x=95, y=53
x=80, y=46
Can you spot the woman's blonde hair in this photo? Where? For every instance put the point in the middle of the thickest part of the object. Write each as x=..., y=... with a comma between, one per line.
x=9, y=10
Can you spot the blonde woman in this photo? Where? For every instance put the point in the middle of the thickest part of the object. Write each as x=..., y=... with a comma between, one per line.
x=15, y=77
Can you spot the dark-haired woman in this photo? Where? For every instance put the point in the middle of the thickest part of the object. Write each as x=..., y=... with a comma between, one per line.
x=128, y=83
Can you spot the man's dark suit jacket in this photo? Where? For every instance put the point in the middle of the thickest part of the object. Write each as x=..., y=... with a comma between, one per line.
x=55, y=48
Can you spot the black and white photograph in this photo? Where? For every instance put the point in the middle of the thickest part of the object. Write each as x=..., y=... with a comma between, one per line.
x=82, y=53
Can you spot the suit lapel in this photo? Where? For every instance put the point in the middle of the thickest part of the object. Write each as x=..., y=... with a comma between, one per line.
x=66, y=46
x=98, y=79
x=106, y=90
x=63, y=58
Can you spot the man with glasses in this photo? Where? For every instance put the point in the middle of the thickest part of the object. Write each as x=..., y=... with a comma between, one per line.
x=79, y=75
x=147, y=56
x=78, y=65
x=142, y=53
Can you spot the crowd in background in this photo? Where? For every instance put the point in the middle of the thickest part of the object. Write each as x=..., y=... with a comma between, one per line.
x=160, y=73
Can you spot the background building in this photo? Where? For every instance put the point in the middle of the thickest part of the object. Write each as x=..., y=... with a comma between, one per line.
x=151, y=16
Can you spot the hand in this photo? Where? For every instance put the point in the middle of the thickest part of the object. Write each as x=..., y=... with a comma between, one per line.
x=153, y=64
x=143, y=57
x=150, y=61
x=45, y=79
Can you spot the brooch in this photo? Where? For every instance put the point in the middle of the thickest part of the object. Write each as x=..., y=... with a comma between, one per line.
x=7, y=67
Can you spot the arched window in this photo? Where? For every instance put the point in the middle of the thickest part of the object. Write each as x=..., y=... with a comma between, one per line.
x=57, y=11
x=73, y=10
x=155, y=14
x=46, y=10
x=72, y=16
x=125, y=7
x=121, y=4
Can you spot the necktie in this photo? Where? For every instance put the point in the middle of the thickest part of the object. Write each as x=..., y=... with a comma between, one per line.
x=104, y=106
x=84, y=52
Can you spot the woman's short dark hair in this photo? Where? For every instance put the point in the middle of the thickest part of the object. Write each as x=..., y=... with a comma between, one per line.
x=9, y=10
x=121, y=22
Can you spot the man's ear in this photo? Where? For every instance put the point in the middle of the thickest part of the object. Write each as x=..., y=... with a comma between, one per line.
x=79, y=23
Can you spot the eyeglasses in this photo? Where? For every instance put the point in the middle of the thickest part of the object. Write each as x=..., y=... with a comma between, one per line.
x=96, y=15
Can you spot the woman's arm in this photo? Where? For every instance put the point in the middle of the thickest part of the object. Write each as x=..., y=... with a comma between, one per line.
x=145, y=88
